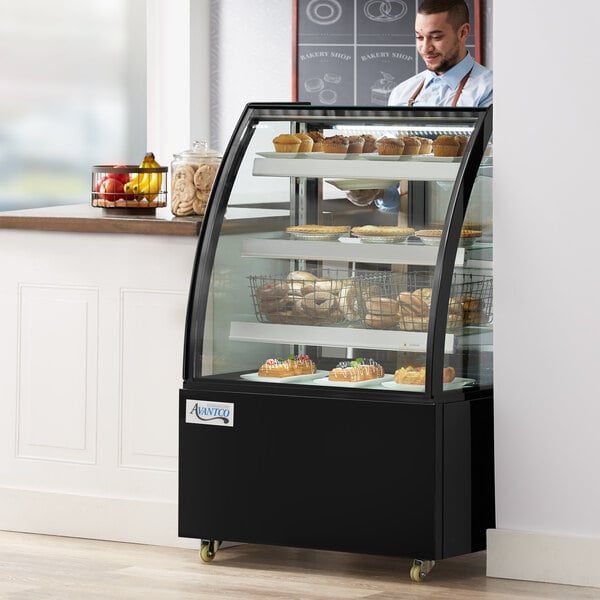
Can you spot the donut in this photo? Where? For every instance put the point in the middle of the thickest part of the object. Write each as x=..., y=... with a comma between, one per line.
x=383, y=306
x=272, y=290
x=319, y=304
x=380, y=321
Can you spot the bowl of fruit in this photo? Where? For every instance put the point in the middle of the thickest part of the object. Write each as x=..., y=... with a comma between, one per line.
x=130, y=186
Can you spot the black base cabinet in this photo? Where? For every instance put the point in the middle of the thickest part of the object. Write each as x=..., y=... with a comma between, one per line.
x=400, y=478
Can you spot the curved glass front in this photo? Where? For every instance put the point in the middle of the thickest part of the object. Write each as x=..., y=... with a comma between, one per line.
x=332, y=252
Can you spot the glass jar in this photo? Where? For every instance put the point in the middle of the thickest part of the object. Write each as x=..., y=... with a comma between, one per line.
x=193, y=172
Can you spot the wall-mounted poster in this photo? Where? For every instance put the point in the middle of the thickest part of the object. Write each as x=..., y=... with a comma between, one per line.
x=354, y=52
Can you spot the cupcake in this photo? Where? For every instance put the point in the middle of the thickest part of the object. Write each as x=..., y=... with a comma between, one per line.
x=412, y=145
x=355, y=144
x=462, y=143
x=445, y=145
x=426, y=145
x=306, y=142
x=317, y=138
x=286, y=143
x=336, y=144
x=390, y=146
x=369, y=145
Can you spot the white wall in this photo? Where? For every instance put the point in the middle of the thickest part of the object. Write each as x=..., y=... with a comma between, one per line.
x=547, y=323
x=178, y=56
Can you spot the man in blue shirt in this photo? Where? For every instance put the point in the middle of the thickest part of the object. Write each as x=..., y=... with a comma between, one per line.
x=452, y=77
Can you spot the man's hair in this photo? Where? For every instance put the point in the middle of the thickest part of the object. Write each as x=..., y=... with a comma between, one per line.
x=458, y=11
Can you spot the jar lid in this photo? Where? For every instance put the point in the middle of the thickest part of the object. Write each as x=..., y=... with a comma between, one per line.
x=199, y=150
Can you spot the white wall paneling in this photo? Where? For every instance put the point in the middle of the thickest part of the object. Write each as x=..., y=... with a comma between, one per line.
x=57, y=373
x=148, y=368
x=91, y=351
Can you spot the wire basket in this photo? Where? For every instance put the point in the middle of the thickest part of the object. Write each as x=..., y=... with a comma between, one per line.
x=327, y=297
x=403, y=301
x=108, y=187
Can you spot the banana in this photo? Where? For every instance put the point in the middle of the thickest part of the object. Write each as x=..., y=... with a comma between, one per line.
x=149, y=183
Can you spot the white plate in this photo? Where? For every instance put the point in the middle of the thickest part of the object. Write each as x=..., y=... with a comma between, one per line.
x=284, y=154
x=432, y=158
x=459, y=382
x=381, y=239
x=361, y=184
x=293, y=379
x=332, y=155
x=352, y=384
x=323, y=237
x=388, y=157
x=435, y=241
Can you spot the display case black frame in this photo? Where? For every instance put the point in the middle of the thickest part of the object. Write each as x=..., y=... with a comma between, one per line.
x=355, y=470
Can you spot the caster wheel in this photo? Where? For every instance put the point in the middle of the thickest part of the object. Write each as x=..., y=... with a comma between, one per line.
x=420, y=569
x=208, y=550
x=415, y=573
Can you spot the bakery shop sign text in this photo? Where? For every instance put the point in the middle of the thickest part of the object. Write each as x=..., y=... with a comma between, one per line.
x=325, y=54
x=201, y=412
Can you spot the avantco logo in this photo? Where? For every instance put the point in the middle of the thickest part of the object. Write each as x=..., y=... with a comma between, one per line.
x=200, y=412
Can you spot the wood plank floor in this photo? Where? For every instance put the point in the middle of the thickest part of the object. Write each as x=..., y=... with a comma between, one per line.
x=35, y=567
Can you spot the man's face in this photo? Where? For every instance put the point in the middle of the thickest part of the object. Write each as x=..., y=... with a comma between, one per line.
x=438, y=44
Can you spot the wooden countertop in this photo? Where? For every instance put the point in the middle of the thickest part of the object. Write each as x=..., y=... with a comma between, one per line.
x=84, y=218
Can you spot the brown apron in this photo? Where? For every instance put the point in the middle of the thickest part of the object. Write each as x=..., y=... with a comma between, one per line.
x=459, y=90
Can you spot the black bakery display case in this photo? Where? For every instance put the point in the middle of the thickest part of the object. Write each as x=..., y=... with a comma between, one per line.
x=299, y=289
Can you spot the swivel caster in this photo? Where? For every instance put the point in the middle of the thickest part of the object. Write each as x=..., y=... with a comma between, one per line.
x=208, y=549
x=420, y=569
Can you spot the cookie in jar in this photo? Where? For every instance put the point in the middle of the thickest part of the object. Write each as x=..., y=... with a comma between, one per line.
x=193, y=173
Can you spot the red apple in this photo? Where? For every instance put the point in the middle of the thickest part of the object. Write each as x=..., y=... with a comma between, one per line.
x=111, y=188
x=122, y=177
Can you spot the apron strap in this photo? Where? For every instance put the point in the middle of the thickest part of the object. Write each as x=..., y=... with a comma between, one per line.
x=459, y=90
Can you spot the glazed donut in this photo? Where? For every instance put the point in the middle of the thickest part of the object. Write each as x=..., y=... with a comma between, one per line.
x=272, y=290
x=383, y=306
x=319, y=304
x=379, y=321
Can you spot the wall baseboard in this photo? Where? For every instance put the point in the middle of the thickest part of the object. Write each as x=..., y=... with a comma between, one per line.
x=72, y=515
x=541, y=557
